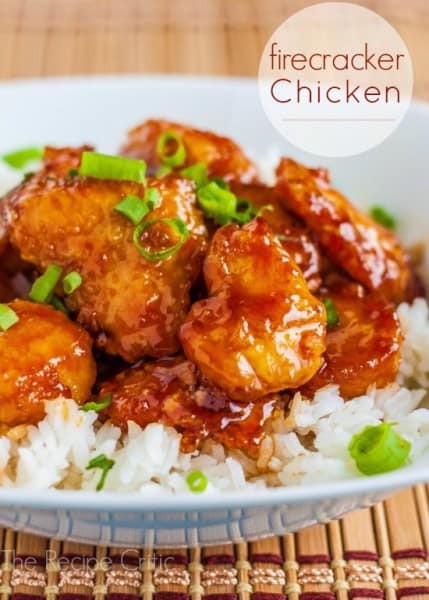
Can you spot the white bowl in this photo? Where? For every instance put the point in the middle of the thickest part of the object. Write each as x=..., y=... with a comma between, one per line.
x=99, y=110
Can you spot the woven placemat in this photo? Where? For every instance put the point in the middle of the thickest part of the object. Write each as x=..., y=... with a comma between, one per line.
x=374, y=553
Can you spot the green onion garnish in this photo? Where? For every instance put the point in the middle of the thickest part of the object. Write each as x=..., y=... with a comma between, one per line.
x=218, y=204
x=221, y=182
x=379, y=449
x=104, y=166
x=8, y=317
x=177, y=226
x=245, y=211
x=165, y=141
x=197, y=482
x=105, y=402
x=381, y=216
x=72, y=172
x=43, y=288
x=105, y=464
x=163, y=170
x=20, y=158
x=59, y=305
x=72, y=282
x=152, y=198
x=132, y=207
x=197, y=173
x=332, y=317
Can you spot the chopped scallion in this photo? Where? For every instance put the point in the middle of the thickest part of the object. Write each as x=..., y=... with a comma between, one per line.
x=379, y=449
x=104, y=166
x=197, y=173
x=152, y=198
x=163, y=170
x=59, y=305
x=18, y=159
x=43, y=288
x=332, y=317
x=133, y=208
x=105, y=464
x=381, y=216
x=197, y=482
x=105, y=402
x=72, y=282
x=8, y=317
x=176, y=225
x=165, y=141
x=246, y=211
x=217, y=203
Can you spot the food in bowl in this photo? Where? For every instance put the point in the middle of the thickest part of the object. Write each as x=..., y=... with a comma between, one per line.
x=171, y=323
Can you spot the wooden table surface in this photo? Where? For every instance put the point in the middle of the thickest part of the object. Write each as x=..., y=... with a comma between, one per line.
x=219, y=37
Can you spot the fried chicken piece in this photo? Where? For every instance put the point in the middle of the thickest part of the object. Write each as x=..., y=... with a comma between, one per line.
x=59, y=161
x=368, y=252
x=364, y=349
x=132, y=306
x=261, y=330
x=171, y=391
x=292, y=234
x=42, y=356
x=221, y=155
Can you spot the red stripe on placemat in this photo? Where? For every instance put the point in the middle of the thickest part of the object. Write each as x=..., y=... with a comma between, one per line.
x=118, y=596
x=70, y=596
x=21, y=559
x=410, y=553
x=124, y=559
x=225, y=596
x=412, y=591
x=178, y=559
x=317, y=596
x=267, y=596
x=171, y=596
x=275, y=559
x=26, y=597
x=365, y=593
x=361, y=555
x=218, y=559
x=310, y=559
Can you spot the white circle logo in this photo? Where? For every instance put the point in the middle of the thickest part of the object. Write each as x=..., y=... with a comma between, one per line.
x=335, y=79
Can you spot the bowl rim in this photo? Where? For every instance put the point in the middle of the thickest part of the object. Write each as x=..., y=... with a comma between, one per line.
x=228, y=500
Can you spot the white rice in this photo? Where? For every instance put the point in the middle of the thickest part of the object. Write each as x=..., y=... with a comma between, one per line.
x=57, y=451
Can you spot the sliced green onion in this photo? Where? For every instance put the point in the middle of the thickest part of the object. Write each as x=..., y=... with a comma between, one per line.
x=59, y=305
x=8, y=317
x=105, y=402
x=104, y=166
x=105, y=464
x=381, y=216
x=72, y=282
x=20, y=158
x=197, y=173
x=163, y=170
x=197, y=482
x=178, y=157
x=246, y=211
x=152, y=198
x=72, y=172
x=177, y=226
x=43, y=288
x=217, y=203
x=332, y=317
x=379, y=449
x=222, y=183
x=132, y=207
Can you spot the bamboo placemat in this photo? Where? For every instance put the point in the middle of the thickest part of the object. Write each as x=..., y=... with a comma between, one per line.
x=374, y=553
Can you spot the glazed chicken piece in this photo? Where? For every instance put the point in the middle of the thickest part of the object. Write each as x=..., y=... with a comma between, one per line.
x=292, y=234
x=364, y=349
x=42, y=356
x=133, y=307
x=369, y=253
x=261, y=330
x=221, y=155
x=171, y=391
x=59, y=161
